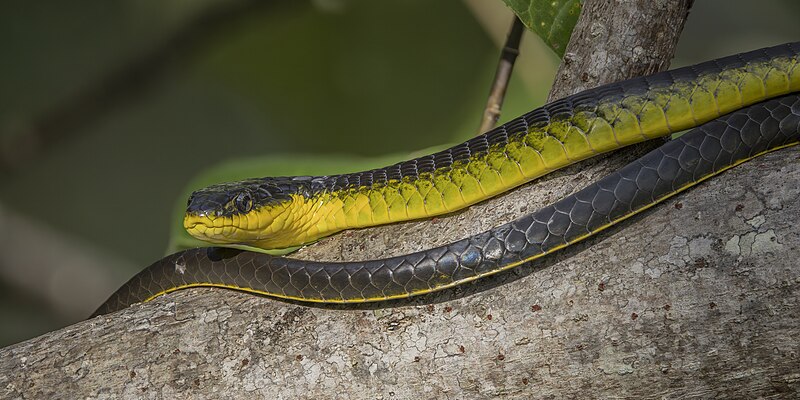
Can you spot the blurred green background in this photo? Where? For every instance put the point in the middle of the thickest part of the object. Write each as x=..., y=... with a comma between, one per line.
x=109, y=108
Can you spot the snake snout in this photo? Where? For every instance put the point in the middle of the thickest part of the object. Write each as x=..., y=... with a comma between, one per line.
x=206, y=205
x=200, y=215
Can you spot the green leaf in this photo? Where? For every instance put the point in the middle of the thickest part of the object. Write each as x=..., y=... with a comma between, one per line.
x=552, y=20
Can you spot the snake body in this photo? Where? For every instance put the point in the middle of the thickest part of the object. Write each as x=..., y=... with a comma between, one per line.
x=290, y=211
x=545, y=139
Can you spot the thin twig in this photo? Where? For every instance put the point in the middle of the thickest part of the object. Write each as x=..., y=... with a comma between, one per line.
x=502, y=76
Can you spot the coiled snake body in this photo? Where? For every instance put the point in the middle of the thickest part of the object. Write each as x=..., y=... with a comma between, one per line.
x=742, y=106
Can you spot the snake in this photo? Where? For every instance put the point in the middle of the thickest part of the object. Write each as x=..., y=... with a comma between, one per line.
x=738, y=107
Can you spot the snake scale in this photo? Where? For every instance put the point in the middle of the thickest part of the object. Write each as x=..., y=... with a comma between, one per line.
x=742, y=106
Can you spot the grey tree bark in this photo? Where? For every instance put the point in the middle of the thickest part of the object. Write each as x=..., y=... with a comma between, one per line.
x=697, y=297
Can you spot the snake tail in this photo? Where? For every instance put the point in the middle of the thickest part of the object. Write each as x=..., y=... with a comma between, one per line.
x=677, y=165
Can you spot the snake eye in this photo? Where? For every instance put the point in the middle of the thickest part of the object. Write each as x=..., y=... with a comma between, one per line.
x=244, y=202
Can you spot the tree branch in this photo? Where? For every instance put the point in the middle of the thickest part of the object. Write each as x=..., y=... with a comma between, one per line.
x=695, y=298
x=609, y=44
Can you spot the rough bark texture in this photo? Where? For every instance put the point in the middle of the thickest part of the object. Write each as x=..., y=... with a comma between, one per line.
x=617, y=39
x=697, y=297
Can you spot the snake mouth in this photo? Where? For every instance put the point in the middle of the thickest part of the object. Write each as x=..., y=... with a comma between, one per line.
x=198, y=221
x=218, y=230
x=214, y=230
x=191, y=225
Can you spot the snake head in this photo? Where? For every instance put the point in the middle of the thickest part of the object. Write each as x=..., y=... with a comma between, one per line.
x=252, y=212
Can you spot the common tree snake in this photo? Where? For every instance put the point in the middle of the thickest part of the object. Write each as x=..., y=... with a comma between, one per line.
x=741, y=106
